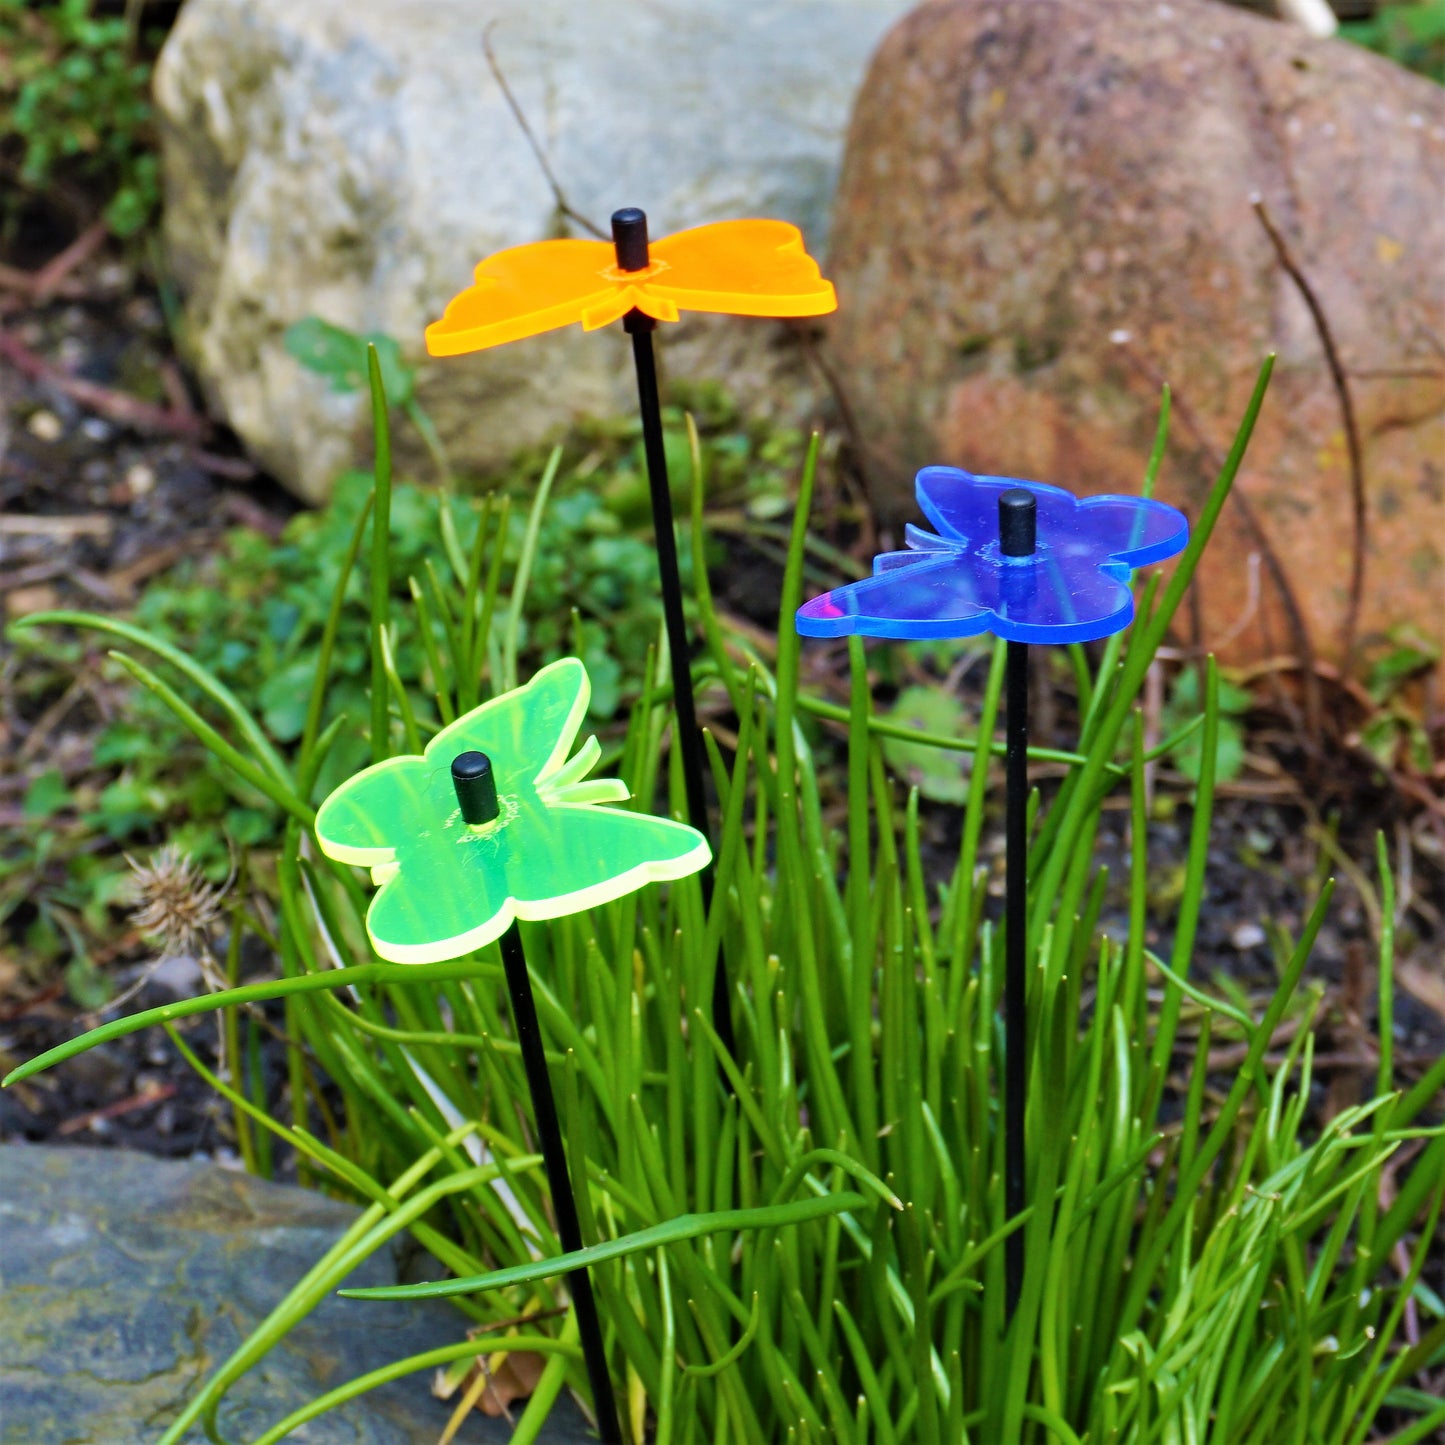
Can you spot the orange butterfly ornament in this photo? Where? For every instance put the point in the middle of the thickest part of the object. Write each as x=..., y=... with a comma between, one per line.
x=738, y=268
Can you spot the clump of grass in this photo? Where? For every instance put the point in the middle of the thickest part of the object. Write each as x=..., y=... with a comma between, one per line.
x=804, y=1241
x=253, y=613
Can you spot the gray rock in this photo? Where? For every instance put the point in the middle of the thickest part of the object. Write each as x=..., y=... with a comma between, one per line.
x=125, y=1280
x=353, y=159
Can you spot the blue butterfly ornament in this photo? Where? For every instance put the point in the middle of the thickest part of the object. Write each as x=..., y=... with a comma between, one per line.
x=956, y=581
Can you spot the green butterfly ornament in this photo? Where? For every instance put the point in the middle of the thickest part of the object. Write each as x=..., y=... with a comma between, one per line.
x=446, y=886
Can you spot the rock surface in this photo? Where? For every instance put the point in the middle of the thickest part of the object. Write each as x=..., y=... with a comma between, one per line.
x=1045, y=211
x=353, y=159
x=125, y=1280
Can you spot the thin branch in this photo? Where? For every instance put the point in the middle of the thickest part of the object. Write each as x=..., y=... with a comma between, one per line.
x=118, y=406
x=1360, y=539
x=864, y=453
x=561, y=200
x=1214, y=458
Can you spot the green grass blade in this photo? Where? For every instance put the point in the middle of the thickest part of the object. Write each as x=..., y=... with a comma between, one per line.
x=279, y=792
x=672, y=1231
x=245, y=724
x=380, y=559
x=524, y=570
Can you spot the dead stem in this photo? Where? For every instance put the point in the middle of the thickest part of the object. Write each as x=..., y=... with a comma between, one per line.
x=1360, y=539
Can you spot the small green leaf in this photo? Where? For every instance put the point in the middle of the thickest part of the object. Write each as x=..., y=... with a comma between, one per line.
x=283, y=698
x=939, y=775
x=1228, y=753
x=85, y=983
x=1396, y=666
x=122, y=742
x=340, y=356
x=46, y=795
x=128, y=806
x=1381, y=738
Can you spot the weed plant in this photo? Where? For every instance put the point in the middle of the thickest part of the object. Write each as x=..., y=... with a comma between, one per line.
x=75, y=106
x=253, y=614
x=805, y=1242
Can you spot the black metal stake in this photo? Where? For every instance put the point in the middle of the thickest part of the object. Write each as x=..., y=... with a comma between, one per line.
x=476, y=789
x=629, y=236
x=1017, y=519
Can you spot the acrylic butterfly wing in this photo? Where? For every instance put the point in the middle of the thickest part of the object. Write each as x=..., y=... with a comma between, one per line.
x=934, y=593
x=1135, y=531
x=527, y=290
x=740, y=268
x=527, y=732
x=938, y=594
x=547, y=861
x=360, y=821
x=595, y=854
x=1073, y=588
x=445, y=895
x=964, y=506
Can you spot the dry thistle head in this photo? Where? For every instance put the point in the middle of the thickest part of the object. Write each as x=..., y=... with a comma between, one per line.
x=174, y=907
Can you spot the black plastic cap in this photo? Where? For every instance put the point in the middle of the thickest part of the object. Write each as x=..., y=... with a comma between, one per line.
x=1018, y=512
x=629, y=236
x=476, y=787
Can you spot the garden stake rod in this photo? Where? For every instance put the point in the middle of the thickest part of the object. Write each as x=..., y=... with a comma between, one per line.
x=476, y=789
x=1017, y=529
x=1031, y=563
x=629, y=236
x=737, y=268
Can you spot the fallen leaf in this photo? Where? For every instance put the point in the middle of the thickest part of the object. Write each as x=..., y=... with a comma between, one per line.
x=514, y=1376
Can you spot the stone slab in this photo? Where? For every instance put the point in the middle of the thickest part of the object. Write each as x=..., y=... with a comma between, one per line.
x=125, y=1280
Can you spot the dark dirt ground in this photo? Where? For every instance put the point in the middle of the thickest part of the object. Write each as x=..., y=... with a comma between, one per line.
x=110, y=474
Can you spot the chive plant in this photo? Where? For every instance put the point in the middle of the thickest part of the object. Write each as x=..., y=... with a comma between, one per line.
x=804, y=1240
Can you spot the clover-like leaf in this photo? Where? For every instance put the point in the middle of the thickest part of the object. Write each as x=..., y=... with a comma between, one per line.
x=448, y=887
x=957, y=582
x=340, y=356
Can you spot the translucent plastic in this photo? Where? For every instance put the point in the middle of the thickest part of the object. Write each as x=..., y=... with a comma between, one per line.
x=741, y=268
x=447, y=888
x=958, y=583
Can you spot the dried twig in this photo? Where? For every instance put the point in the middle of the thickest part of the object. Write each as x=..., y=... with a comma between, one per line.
x=1395, y=373
x=54, y=277
x=118, y=406
x=563, y=206
x=142, y=1100
x=85, y=524
x=47, y=722
x=13, y=278
x=48, y=279
x=234, y=469
x=1360, y=539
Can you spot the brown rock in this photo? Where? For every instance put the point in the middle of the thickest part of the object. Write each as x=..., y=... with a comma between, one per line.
x=1045, y=211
